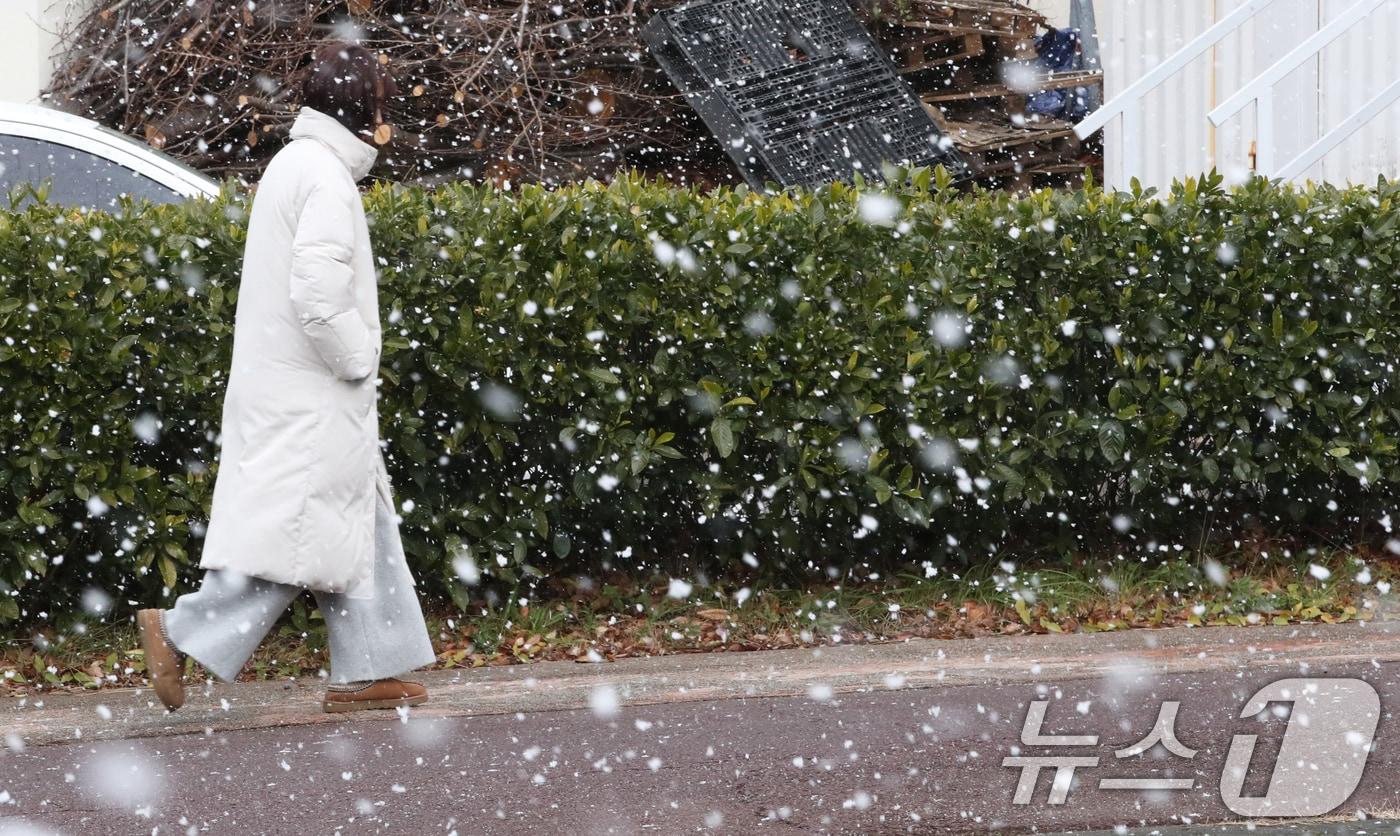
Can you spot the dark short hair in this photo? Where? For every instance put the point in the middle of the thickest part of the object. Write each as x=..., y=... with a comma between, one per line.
x=346, y=82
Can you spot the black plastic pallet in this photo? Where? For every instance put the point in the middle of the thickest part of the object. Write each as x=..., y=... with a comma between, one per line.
x=796, y=90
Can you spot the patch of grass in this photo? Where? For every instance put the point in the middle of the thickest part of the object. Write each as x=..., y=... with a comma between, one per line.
x=591, y=620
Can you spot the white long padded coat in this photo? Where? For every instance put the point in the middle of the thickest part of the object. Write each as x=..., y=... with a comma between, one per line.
x=300, y=463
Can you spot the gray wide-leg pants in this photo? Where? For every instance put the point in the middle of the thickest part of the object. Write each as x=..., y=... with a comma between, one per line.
x=222, y=623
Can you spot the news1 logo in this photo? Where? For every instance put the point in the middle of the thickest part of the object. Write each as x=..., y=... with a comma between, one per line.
x=1330, y=732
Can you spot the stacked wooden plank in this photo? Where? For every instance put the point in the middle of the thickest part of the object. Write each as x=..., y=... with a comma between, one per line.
x=972, y=62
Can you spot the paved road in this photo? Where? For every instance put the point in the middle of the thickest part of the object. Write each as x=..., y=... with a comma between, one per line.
x=886, y=758
x=1351, y=827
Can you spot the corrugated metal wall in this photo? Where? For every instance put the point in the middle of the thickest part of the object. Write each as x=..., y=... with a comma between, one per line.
x=1355, y=68
x=1178, y=140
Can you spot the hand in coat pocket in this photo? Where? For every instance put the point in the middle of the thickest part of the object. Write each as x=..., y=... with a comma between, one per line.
x=322, y=282
x=343, y=341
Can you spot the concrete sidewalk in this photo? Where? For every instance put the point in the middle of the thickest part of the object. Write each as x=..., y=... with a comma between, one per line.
x=561, y=686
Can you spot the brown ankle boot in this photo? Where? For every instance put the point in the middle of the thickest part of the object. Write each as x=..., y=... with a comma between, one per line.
x=381, y=693
x=163, y=661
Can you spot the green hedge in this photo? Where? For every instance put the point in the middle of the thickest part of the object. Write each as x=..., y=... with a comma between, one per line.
x=643, y=378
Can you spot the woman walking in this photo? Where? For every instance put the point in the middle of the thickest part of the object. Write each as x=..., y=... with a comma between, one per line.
x=302, y=500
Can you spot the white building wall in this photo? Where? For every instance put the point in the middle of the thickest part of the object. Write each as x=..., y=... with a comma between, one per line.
x=1355, y=68
x=29, y=28
x=1057, y=11
x=1178, y=140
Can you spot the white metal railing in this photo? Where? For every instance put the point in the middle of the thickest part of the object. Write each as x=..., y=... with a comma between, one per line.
x=1128, y=104
x=1341, y=131
x=1261, y=89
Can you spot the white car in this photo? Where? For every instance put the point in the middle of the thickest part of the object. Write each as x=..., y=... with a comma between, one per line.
x=87, y=164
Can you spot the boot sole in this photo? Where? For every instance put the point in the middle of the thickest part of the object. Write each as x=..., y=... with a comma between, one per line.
x=152, y=642
x=339, y=707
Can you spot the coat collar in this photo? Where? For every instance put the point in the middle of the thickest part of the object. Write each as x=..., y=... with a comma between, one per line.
x=357, y=155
